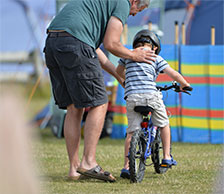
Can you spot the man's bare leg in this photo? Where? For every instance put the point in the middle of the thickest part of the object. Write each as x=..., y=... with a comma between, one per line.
x=165, y=136
x=92, y=130
x=72, y=132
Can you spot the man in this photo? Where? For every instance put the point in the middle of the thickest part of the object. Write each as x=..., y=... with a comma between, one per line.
x=74, y=58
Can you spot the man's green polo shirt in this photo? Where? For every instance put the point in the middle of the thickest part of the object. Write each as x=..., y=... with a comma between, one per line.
x=87, y=19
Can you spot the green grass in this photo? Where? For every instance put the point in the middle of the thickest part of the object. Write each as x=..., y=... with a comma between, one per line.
x=196, y=172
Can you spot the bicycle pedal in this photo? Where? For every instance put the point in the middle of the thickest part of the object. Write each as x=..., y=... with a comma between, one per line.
x=165, y=166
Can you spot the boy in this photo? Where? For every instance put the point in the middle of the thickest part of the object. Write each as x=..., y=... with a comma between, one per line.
x=140, y=89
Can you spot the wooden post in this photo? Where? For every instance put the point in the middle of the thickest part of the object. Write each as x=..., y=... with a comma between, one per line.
x=150, y=26
x=213, y=35
x=183, y=34
x=176, y=33
x=38, y=64
x=25, y=57
x=15, y=57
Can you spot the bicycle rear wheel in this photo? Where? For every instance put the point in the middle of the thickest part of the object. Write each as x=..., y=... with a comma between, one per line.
x=157, y=154
x=136, y=157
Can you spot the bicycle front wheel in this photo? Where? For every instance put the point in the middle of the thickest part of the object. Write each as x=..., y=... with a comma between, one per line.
x=157, y=154
x=136, y=157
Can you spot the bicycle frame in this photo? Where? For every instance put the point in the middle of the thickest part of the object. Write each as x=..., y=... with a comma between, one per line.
x=149, y=133
x=151, y=129
x=146, y=141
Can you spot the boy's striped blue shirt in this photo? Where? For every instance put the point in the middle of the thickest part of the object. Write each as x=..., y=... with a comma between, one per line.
x=141, y=77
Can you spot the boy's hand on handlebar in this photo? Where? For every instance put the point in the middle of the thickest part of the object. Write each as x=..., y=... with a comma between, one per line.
x=141, y=55
x=182, y=87
x=177, y=88
x=186, y=87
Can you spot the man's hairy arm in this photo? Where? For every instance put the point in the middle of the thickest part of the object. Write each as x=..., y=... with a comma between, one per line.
x=112, y=44
x=108, y=66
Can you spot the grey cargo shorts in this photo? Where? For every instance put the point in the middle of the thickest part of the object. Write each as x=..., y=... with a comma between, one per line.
x=154, y=100
x=75, y=72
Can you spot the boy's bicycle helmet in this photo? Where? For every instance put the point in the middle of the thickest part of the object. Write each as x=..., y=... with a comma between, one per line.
x=143, y=34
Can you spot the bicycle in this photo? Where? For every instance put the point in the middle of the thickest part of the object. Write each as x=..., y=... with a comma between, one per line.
x=147, y=142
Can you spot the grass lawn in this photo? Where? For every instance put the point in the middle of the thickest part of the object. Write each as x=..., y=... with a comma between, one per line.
x=198, y=167
x=196, y=172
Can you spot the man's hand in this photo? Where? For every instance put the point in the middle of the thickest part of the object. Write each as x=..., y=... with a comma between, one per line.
x=112, y=44
x=141, y=55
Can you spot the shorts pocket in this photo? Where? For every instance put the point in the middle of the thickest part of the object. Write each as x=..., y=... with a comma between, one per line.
x=67, y=48
x=99, y=88
x=84, y=91
x=67, y=56
x=89, y=52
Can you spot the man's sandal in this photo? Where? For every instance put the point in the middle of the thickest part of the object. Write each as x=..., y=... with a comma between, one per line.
x=97, y=173
x=77, y=178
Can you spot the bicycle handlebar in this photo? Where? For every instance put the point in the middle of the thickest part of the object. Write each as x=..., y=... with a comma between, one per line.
x=176, y=88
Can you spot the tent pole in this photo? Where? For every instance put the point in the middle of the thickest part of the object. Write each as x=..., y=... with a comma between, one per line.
x=37, y=35
x=183, y=34
x=176, y=33
x=178, y=97
x=212, y=35
x=190, y=15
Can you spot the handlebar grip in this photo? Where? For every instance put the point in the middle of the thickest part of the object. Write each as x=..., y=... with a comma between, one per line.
x=188, y=88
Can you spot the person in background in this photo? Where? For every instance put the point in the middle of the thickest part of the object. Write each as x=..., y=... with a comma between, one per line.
x=74, y=60
x=18, y=166
x=140, y=89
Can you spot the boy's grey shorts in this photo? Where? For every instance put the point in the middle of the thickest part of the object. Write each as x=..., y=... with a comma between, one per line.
x=75, y=73
x=154, y=100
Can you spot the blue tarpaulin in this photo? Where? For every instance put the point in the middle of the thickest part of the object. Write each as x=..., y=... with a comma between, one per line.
x=197, y=118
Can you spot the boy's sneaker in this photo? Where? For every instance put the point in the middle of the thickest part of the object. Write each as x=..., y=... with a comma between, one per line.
x=125, y=173
x=168, y=163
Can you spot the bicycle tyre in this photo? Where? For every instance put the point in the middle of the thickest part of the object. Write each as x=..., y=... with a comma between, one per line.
x=156, y=152
x=136, y=157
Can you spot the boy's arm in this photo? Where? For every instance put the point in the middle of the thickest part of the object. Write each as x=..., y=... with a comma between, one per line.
x=108, y=66
x=121, y=71
x=176, y=76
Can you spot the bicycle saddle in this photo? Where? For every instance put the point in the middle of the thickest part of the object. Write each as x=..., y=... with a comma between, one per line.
x=144, y=110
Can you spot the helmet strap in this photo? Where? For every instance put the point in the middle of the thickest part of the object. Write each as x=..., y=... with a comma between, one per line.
x=152, y=46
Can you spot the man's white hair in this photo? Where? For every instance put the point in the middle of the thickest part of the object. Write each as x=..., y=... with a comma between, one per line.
x=143, y=3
